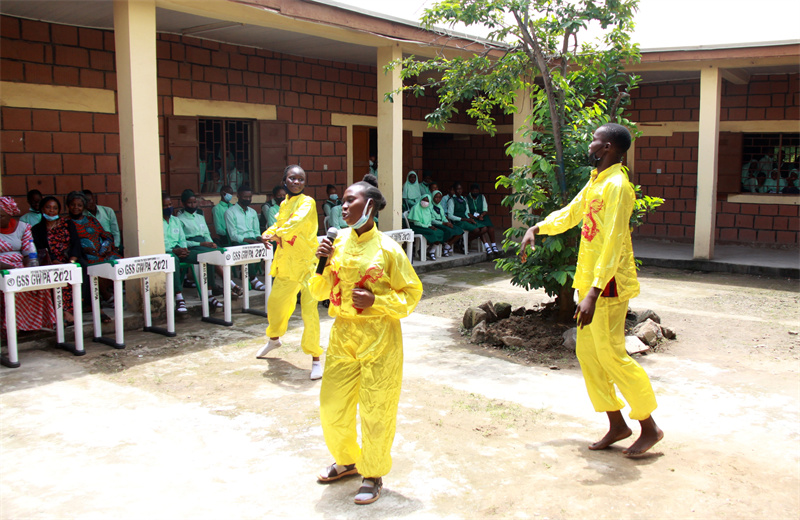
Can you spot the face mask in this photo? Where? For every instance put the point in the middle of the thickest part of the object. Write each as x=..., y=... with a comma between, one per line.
x=51, y=218
x=334, y=197
x=364, y=217
x=167, y=212
x=594, y=160
x=424, y=203
x=190, y=210
x=289, y=193
x=227, y=197
x=244, y=202
x=371, y=164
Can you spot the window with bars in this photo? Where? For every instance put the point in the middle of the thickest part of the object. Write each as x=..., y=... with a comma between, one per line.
x=225, y=153
x=204, y=154
x=770, y=163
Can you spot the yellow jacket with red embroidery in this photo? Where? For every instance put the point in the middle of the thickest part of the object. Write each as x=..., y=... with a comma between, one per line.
x=296, y=226
x=372, y=261
x=605, y=259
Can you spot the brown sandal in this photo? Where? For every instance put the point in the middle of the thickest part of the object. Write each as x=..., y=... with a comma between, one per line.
x=330, y=474
x=373, y=491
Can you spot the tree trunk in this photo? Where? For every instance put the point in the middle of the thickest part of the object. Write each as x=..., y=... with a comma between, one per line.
x=566, y=304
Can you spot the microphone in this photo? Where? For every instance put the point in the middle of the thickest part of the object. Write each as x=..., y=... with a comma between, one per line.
x=323, y=260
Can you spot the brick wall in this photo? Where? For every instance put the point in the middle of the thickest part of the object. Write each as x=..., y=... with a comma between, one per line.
x=57, y=152
x=468, y=159
x=775, y=97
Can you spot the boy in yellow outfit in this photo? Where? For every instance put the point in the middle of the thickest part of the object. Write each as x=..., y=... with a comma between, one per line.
x=606, y=279
x=371, y=285
x=295, y=233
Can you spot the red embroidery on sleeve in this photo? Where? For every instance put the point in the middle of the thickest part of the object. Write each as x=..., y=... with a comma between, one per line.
x=336, y=297
x=589, y=232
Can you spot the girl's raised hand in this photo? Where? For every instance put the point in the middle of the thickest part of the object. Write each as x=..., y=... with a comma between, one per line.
x=325, y=248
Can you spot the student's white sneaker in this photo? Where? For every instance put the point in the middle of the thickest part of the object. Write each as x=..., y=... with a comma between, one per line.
x=316, y=370
x=270, y=345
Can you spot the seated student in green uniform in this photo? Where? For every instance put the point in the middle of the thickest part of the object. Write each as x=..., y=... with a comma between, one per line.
x=269, y=211
x=198, y=237
x=241, y=222
x=412, y=192
x=175, y=244
x=451, y=232
x=459, y=213
x=335, y=219
x=34, y=216
x=427, y=185
x=479, y=210
x=218, y=214
x=420, y=217
x=331, y=201
x=105, y=215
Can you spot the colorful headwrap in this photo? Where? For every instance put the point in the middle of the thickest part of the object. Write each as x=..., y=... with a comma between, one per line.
x=9, y=205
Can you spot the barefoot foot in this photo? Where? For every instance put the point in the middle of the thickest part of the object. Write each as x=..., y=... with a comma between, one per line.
x=614, y=434
x=646, y=440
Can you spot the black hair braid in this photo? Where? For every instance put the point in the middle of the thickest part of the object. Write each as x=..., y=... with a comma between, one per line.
x=371, y=191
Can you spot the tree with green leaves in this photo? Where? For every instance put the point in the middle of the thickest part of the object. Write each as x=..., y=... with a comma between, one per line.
x=574, y=86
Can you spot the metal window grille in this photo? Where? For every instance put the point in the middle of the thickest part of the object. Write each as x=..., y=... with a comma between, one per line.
x=225, y=148
x=768, y=153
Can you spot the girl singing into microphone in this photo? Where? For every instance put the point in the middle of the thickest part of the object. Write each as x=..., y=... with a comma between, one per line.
x=371, y=285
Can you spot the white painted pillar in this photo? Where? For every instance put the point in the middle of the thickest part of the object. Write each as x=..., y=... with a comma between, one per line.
x=524, y=106
x=707, y=150
x=390, y=140
x=140, y=166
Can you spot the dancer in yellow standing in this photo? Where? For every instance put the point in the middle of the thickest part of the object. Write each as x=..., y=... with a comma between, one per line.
x=606, y=279
x=295, y=233
x=371, y=285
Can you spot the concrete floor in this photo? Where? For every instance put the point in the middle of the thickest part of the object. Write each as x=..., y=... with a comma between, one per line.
x=194, y=427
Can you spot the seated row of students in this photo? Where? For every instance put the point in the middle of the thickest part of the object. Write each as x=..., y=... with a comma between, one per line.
x=444, y=219
x=55, y=239
x=186, y=234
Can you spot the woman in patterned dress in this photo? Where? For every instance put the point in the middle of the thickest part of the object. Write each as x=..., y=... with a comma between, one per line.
x=57, y=242
x=97, y=244
x=34, y=308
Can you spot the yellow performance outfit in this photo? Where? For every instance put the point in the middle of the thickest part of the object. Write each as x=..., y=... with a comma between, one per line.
x=605, y=261
x=293, y=264
x=364, y=362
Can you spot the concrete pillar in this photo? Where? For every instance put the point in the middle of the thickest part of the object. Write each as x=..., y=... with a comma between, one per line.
x=707, y=149
x=140, y=166
x=524, y=106
x=390, y=140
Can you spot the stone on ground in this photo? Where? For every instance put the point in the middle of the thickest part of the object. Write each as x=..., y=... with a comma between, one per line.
x=571, y=338
x=519, y=311
x=645, y=315
x=488, y=307
x=512, y=341
x=634, y=345
x=503, y=310
x=649, y=332
x=479, y=334
x=473, y=316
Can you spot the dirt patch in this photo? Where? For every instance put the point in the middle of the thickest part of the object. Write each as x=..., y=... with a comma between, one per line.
x=542, y=340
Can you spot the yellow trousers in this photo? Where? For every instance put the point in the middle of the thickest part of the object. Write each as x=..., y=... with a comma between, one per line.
x=280, y=306
x=364, y=369
x=605, y=362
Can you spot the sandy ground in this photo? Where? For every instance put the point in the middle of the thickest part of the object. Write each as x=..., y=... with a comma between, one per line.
x=196, y=427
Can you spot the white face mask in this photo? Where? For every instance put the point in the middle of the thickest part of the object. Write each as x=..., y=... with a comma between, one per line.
x=424, y=203
x=364, y=216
